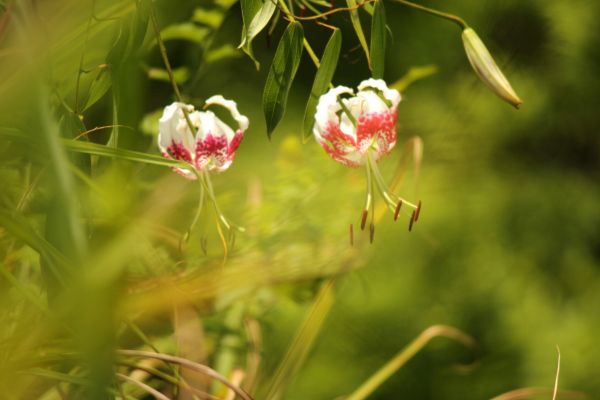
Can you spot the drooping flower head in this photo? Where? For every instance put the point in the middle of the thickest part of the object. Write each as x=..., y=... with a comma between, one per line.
x=365, y=123
x=210, y=146
x=358, y=129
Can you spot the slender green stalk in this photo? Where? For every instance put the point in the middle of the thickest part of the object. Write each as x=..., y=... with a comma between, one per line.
x=369, y=386
x=450, y=17
x=165, y=57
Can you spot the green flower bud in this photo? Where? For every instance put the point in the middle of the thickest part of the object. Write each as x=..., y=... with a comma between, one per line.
x=485, y=67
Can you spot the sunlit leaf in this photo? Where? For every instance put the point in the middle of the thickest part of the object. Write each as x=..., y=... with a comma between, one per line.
x=257, y=21
x=322, y=79
x=185, y=31
x=210, y=18
x=378, y=40
x=354, y=17
x=221, y=53
x=281, y=75
x=180, y=74
x=414, y=74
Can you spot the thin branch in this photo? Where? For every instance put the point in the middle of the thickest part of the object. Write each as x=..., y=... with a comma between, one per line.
x=158, y=395
x=189, y=364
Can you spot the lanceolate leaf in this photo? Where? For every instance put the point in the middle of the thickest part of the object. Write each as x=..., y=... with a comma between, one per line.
x=378, y=40
x=322, y=79
x=358, y=28
x=257, y=23
x=282, y=72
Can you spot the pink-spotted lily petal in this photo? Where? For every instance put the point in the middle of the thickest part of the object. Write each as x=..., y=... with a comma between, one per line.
x=213, y=144
x=365, y=124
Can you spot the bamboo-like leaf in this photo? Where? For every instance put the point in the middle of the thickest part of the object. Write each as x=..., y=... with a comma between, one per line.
x=281, y=75
x=378, y=40
x=105, y=151
x=354, y=17
x=258, y=21
x=322, y=79
x=99, y=87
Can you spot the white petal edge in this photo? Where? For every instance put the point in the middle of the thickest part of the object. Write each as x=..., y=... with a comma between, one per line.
x=170, y=128
x=390, y=94
x=231, y=105
x=327, y=108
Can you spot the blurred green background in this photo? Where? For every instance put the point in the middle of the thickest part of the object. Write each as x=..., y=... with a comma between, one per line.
x=507, y=248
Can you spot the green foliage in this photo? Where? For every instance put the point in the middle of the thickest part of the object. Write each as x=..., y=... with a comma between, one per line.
x=322, y=80
x=110, y=266
x=256, y=15
x=281, y=75
x=378, y=40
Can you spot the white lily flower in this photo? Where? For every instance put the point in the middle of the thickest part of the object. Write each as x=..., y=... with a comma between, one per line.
x=359, y=129
x=350, y=128
x=213, y=144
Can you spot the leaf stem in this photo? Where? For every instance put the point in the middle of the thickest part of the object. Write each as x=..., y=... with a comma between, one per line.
x=450, y=17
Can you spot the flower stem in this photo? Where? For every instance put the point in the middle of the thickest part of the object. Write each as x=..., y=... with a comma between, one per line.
x=211, y=195
x=165, y=57
x=198, y=213
x=383, y=189
x=453, y=18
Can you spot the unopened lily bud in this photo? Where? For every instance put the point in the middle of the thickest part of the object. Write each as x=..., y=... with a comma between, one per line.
x=485, y=67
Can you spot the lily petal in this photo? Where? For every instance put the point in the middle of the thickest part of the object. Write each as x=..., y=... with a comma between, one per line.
x=392, y=95
x=231, y=105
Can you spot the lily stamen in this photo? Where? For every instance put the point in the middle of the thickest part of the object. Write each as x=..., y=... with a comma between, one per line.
x=359, y=129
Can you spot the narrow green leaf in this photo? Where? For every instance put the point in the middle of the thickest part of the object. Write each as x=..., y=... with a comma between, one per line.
x=281, y=74
x=378, y=40
x=106, y=151
x=249, y=10
x=322, y=79
x=354, y=17
x=258, y=21
x=85, y=147
x=99, y=87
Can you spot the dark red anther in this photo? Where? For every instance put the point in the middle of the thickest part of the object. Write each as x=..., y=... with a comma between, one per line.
x=351, y=235
x=418, y=211
x=371, y=232
x=363, y=220
x=331, y=5
x=397, y=210
x=302, y=11
x=412, y=220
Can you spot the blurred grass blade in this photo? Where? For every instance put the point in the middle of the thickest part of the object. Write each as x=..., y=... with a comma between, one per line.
x=400, y=359
x=378, y=40
x=355, y=18
x=414, y=74
x=323, y=79
x=281, y=75
x=541, y=392
x=257, y=23
x=20, y=228
x=28, y=294
x=303, y=342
